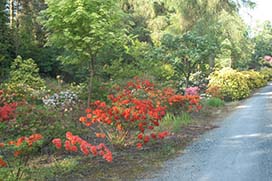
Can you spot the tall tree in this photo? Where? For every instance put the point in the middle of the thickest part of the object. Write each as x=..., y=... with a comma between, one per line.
x=82, y=28
x=3, y=29
x=218, y=21
x=187, y=53
x=262, y=44
x=5, y=40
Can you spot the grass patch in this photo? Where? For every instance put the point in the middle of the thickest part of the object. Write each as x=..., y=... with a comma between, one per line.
x=214, y=102
x=175, y=123
x=54, y=170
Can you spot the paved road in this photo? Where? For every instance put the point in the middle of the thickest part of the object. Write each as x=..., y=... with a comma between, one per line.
x=241, y=149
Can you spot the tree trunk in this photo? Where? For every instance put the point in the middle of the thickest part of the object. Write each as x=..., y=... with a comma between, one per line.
x=11, y=13
x=187, y=80
x=212, y=61
x=90, y=82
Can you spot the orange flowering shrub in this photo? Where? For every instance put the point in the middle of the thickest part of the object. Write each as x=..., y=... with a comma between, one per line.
x=73, y=143
x=215, y=91
x=134, y=111
x=3, y=163
x=21, y=147
x=177, y=102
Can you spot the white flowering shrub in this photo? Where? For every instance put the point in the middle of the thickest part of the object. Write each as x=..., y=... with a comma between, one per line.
x=64, y=99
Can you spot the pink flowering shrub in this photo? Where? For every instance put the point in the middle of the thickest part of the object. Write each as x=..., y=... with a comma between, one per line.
x=192, y=91
x=268, y=58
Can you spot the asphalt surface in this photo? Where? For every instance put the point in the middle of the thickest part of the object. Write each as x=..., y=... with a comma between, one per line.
x=240, y=149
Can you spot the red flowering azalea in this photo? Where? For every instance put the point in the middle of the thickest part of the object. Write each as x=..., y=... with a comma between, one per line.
x=139, y=145
x=138, y=105
x=7, y=111
x=74, y=143
x=57, y=143
x=146, y=139
x=140, y=136
x=154, y=136
x=28, y=140
x=3, y=163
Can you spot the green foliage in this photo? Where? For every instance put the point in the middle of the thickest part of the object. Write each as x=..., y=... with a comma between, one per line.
x=214, y=102
x=119, y=70
x=25, y=80
x=263, y=41
x=81, y=27
x=26, y=72
x=5, y=42
x=199, y=79
x=233, y=84
x=175, y=122
x=255, y=79
x=55, y=170
x=186, y=53
x=48, y=121
x=139, y=60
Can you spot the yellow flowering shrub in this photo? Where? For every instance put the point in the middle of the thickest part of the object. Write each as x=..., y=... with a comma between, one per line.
x=255, y=79
x=233, y=84
x=267, y=73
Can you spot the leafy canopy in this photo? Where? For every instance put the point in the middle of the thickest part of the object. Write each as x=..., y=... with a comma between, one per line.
x=81, y=27
x=187, y=53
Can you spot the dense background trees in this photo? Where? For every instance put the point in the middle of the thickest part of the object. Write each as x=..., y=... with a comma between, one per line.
x=122, y=37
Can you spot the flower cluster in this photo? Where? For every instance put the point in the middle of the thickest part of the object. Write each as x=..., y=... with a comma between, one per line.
x=132, y=107
x=21, y=145
x=62, y=99
x=192, y=91
x=6, y=109
x=188, y=103
x=138, y=105
x=72, y=143
x=145, y=138
x=3, y=163
x=215, y=91
x=268, y=58
x=28, y=141
x=177, y=102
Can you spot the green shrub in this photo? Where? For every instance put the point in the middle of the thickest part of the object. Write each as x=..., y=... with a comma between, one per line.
x=214, y=102
x=48, y=121
x=233, y=84
x=267, y=73
x=25, y=81
x=255, y=79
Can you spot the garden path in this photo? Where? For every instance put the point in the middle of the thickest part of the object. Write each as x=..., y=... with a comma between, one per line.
x=240, y=149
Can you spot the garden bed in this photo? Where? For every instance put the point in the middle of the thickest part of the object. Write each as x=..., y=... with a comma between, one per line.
x=132, y=163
